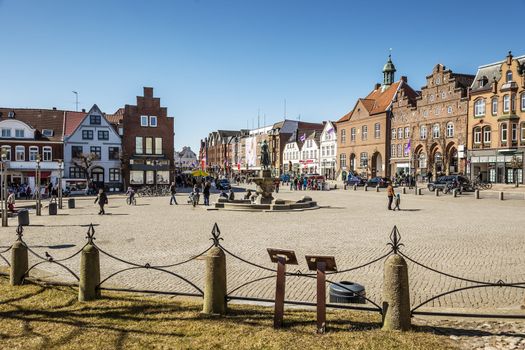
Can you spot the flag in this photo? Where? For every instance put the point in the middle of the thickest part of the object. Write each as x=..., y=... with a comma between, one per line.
x=330, y=131
x=407, y=147
x=302, y=138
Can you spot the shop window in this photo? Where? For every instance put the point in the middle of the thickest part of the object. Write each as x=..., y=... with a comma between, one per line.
x=363, y=160
x=150, y=177
x=136, y=177
x=163, y=177
x=422, y=160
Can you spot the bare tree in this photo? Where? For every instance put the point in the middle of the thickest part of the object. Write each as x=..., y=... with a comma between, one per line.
x=85, y=161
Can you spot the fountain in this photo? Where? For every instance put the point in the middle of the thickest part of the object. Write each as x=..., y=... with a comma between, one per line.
x=263, y=200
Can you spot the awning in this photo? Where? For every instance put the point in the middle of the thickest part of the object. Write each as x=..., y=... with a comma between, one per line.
x=43, y=174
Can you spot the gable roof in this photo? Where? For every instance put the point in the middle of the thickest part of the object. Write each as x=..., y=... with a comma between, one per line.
x=39, y=119
x=116, y=117
x=72, y=121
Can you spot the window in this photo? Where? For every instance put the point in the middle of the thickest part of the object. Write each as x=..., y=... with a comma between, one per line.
x=20, y=153
x=136, y=177
x=363, y=160
x=506, y=103
x=103, y=135
x=33, y=151
x=479, y=108
x=114, y=174
x=158, y=145
x=47, y=153
x=504, y=132
x=322, y=151
x=431, y=98
x=149, y=145
x=6, y=132
x=87, y=134
x=522, y=131
x=343, y=135
x=494, y=105
x=48, y=132
x=423, y=132
x=443, y=95
x=508, y=76
x=19, y=133
x=422, y=160
x=138, y=145
x=437, y=110
x=406, y=150
x=450, y=129
x=94, y=119
x=7, y=151
x=76, y=151
x=477, y=135
x=407, y=132
x=96, y=150
x=364, y=132
x=400, y=133
x=377, y=130
x=522, y=101
x=76, y=172
x=449, y=109
x=435, y=131
x=393, y=150
x=513, y=103
x=514, y=132
x=153, y=121
x=342, y=160
x=113, y=153
x=399, y=150
x=486, y=134
x=143, y=120
x=394, y=133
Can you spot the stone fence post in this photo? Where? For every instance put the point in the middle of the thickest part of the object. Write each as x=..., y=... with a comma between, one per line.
x=215, y=284
x=396, y=296
x=19, y=263
x=89, y=273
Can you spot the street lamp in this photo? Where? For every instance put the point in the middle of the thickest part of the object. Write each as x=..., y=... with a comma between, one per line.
x=60, y=169
x=3, y=192
x=38, y=192
x=155, y=162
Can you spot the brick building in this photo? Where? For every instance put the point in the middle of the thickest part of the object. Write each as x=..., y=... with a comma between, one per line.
x=429, y=133
x=496, y=120
x=363, y=140
x=147, y=141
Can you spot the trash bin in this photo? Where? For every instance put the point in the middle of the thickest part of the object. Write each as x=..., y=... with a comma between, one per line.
x=23, y=217
x=346, y=292
x=71, y=203
x=53, y=208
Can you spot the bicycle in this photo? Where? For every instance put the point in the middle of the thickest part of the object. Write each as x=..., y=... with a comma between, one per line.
x=131, y=200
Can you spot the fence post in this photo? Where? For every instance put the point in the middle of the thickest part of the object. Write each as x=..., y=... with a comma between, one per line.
x=89, y=270
x=19, y=260
x=501, y=196
x=215, y=287
x=396, y=296
x=476, y=194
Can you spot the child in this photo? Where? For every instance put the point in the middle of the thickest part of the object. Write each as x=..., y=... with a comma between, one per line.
x=397, y=202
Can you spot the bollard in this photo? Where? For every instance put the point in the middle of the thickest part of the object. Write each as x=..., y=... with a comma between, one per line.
x=419, y=191
x=23, y=217
x=396, y=296
x=71, y=203
x=18, y=263
x=355, y=187
x=501, y=196
x=455, y=192
x=89, y=274
x=53, y=208
x=437, y=192
x=215, y=287
x=404, y=190
x=416, y=190
x=366, y=188
x=476, y=194
x=377, y=188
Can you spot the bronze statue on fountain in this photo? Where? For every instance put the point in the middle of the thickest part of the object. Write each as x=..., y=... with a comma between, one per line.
x=265, y=181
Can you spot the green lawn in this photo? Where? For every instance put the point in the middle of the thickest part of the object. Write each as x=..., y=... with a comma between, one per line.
x=36, y=317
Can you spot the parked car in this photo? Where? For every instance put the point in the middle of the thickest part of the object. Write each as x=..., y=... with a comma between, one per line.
x=223, y=184
x=377, y=181
x=443, y=182
x=355, y=180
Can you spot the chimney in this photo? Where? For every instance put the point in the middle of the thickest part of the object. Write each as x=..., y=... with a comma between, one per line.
x=405, y=79
x=148, y=92
x=54, y=108
x=509, y=58
x=377, y=86
x=83, y=110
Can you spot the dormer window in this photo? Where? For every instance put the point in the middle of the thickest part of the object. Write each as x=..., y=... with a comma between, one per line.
x=94, y=120
x=6, y=132
x=19, y=133
x=483, y=81
x=48, y=132
x=508, y=76
x=11, y=114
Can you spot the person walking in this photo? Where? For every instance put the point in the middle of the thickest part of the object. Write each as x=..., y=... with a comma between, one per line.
x=173, y=191
x=206, y=193
x=102, y=200
x=390, y=194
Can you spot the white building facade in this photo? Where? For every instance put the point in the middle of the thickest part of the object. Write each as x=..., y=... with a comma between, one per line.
x=186, y=159
x=310, y=153
x=93, y=137
x=292, y=156
x=327, y=159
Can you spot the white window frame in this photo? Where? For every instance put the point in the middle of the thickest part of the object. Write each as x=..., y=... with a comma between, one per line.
x=139, y=145
x=407, y=132
x=364, y=132
x=449, y=109
x=7, y=151
x=153, y=122
x=6, y=132
x=399, y=133
x=479, y=107
x=158, y=145
x=487, y=134
x=450, y=129
x=144, y=120
x=377, y=130
x=21, y=132
x=423, y=132
x=514, y=132
x=436, y=131
x=47, y=153
x=33, y=153
x=394, y=134
x=20, y=150
x=506, y=103
x=504, y=132
x=523, y=101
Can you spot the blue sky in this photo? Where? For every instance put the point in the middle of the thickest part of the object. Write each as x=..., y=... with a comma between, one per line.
x=215, y=64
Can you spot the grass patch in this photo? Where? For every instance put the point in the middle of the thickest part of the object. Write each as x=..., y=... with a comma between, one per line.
x=36, y=317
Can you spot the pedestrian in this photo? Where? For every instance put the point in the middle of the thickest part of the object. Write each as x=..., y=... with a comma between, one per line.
x=277, y=183
x=206, y=193
x=102, y=200
x=11, y=201
x=173, y=191
x=397, y=202
x=54, y=194
x=390, y=193
x=248, y=195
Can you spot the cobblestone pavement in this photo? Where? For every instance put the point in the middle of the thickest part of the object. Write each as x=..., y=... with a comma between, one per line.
x=479, y=239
